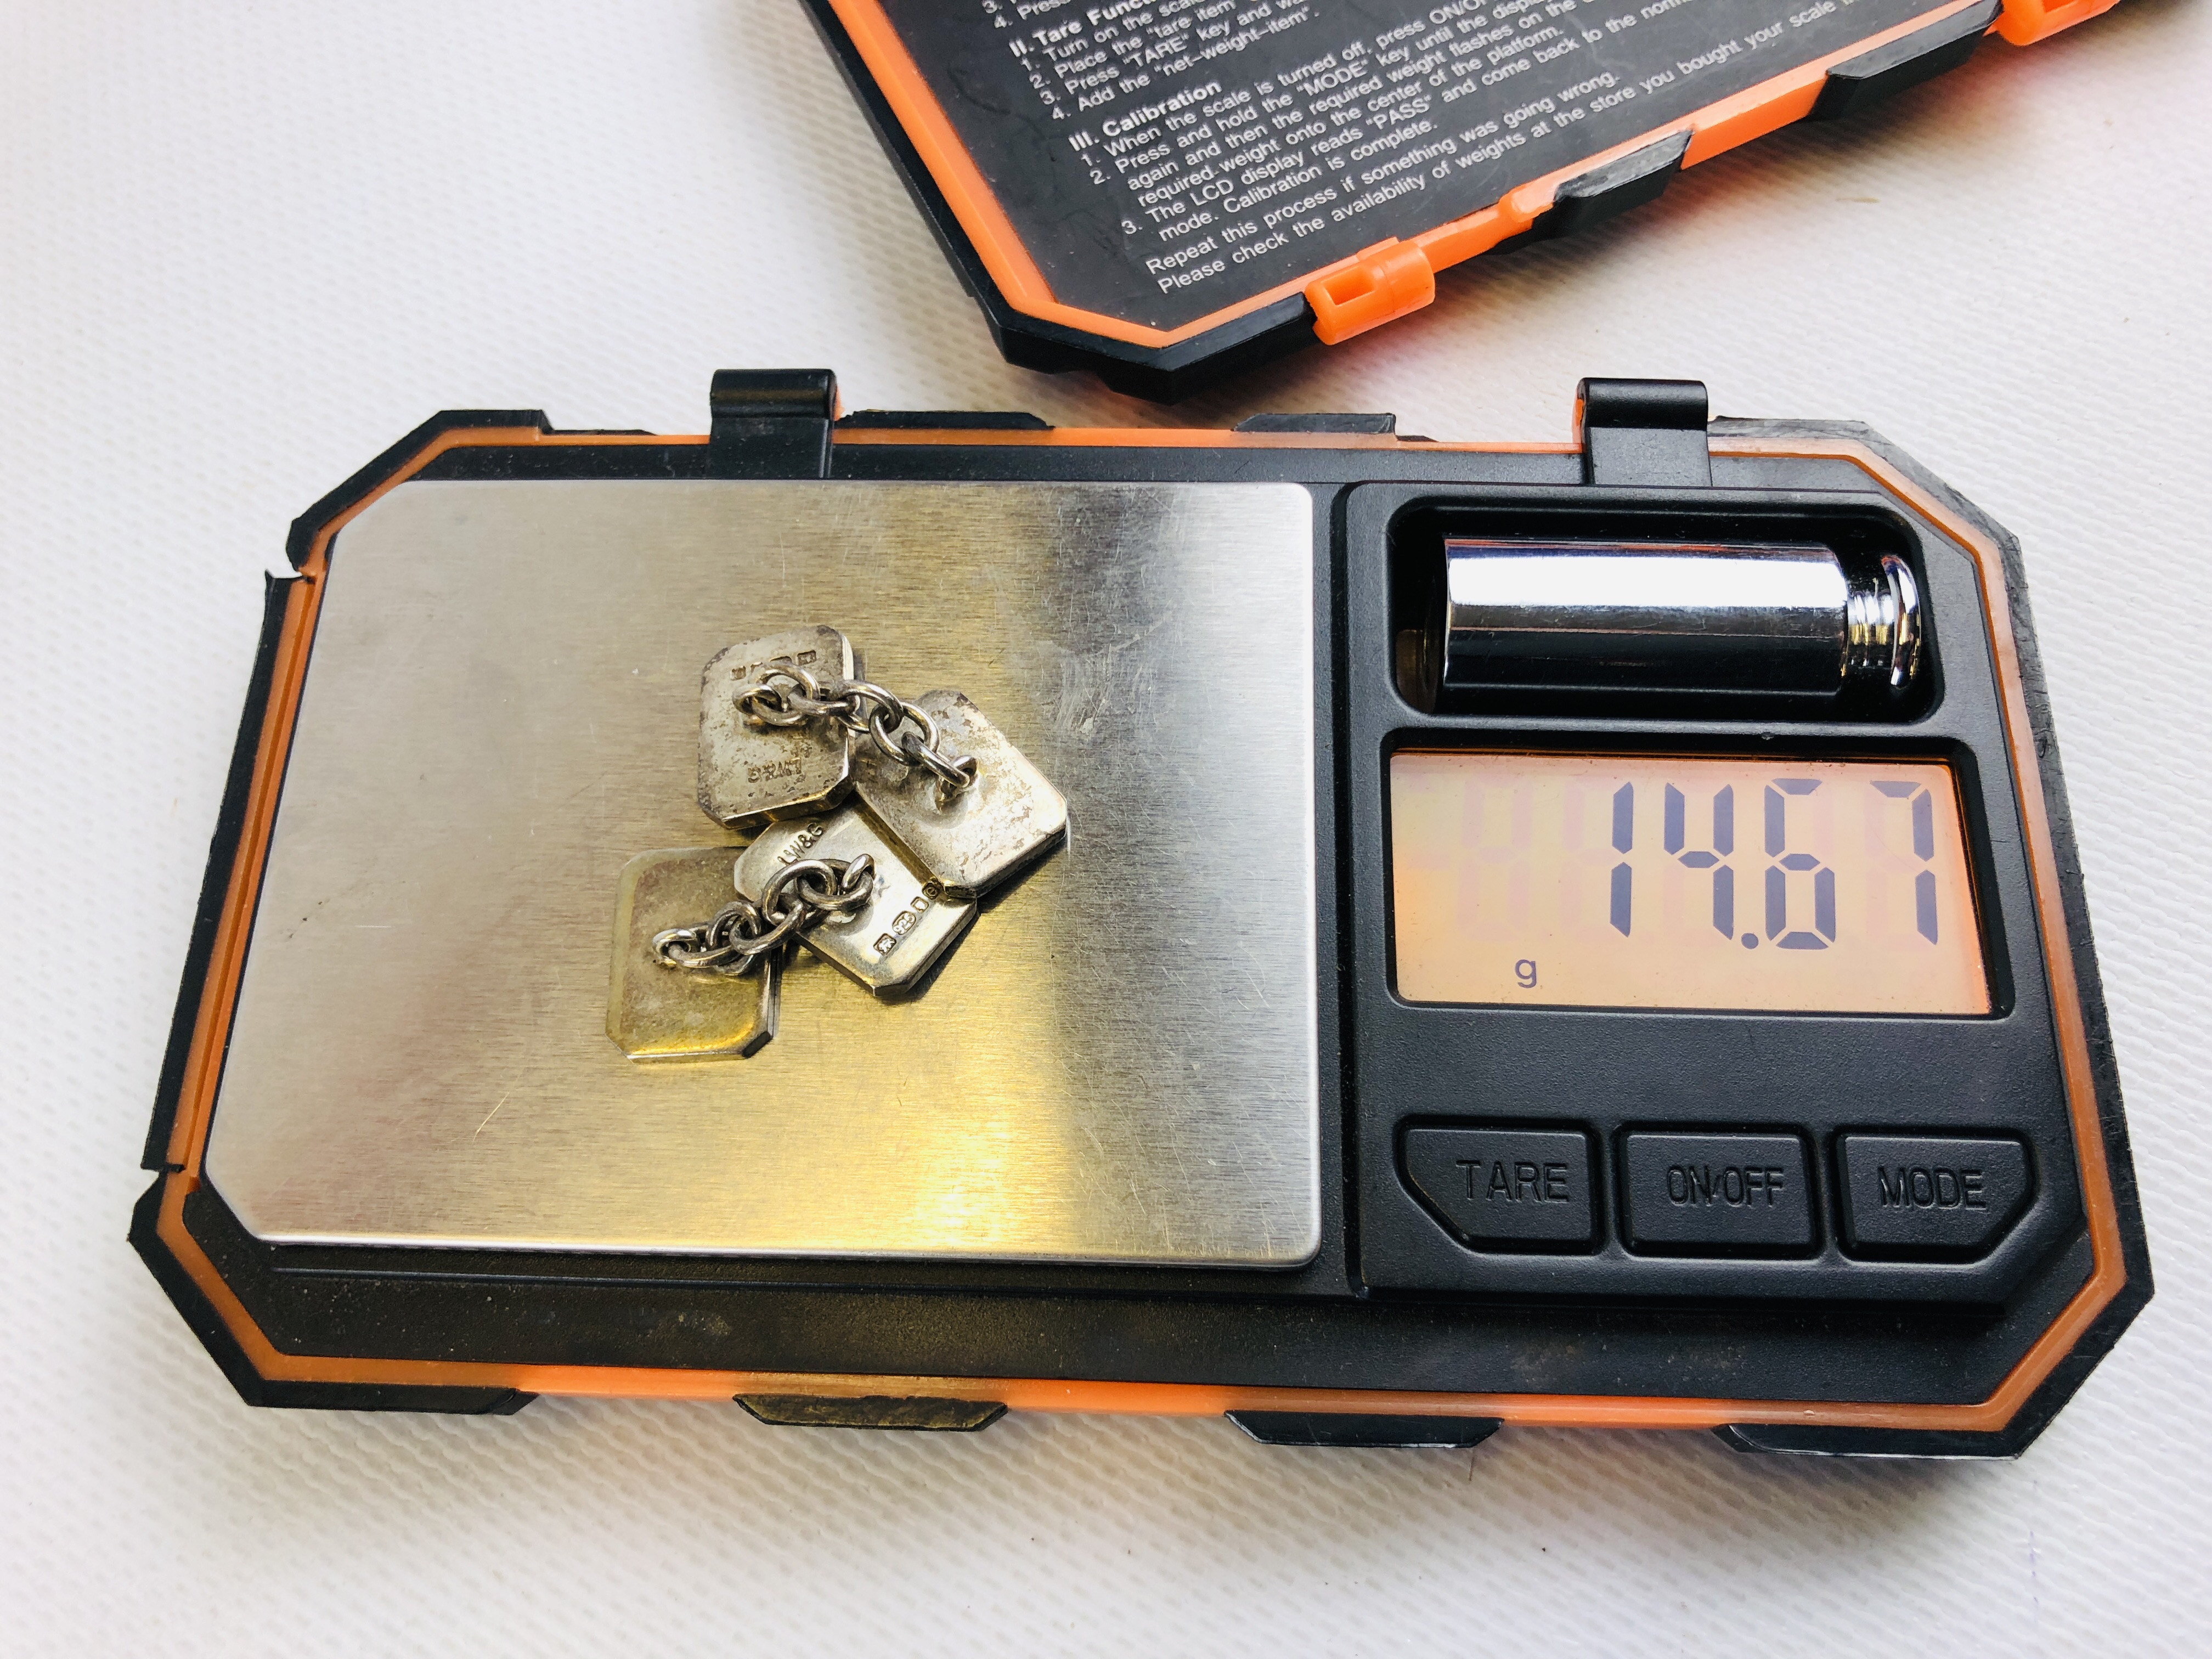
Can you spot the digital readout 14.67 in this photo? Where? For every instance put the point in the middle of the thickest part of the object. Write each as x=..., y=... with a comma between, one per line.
x=1672, y=882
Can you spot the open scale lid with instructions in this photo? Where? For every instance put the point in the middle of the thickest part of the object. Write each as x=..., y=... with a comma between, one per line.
x=1165, y=192
x=1379, y=937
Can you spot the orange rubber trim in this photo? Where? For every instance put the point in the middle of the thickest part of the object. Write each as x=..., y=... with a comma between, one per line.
x=1386, y=288
x=203, y=1067
x=2026, y=21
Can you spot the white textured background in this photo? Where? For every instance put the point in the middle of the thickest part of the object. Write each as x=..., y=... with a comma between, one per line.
x=245, y=246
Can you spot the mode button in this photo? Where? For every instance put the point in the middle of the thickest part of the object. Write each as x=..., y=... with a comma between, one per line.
x=1932, y=1195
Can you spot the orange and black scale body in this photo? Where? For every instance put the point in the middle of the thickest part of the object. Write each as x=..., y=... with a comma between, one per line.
x=1402, y=1329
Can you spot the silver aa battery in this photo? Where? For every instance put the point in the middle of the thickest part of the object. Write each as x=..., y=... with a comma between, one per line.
x=1675, y=617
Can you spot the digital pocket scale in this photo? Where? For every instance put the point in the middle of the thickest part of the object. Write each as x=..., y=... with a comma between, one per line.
x=1570, y=934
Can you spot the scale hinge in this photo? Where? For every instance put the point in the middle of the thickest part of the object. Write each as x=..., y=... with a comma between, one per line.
x=771, y=422
x=1642, y=433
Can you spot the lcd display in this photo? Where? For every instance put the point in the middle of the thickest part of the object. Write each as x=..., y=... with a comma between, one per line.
x=1665, y=882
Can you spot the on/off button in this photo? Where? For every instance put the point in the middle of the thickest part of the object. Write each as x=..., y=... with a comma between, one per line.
x=1717, y=1195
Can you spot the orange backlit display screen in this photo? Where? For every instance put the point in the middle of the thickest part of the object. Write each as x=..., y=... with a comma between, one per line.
x=1660, y=882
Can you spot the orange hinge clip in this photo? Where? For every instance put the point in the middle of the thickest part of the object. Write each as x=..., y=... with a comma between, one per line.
x=2026, y=21
x=1382, y=284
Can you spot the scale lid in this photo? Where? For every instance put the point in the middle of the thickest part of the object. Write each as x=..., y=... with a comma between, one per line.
x=1166, y=192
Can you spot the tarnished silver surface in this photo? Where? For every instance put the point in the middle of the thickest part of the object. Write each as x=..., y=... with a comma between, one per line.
x=750, y=774
x=972, y=838
x=656, y=1013
x=502, y=710
x=906, y=924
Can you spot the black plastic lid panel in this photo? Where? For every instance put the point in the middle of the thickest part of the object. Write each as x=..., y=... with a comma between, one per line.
x=1138, y=186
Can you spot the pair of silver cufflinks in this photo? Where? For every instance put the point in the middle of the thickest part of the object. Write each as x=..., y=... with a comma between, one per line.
x=877, y=825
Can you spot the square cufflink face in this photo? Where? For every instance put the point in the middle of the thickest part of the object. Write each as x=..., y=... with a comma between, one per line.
x=894, y=938
x=751, y=773
x=974, y=838
x=656, y=1013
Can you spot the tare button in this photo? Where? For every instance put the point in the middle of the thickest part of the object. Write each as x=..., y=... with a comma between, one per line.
x=1717, y=1195
x=1931, y=1195
x=1510, y=1189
